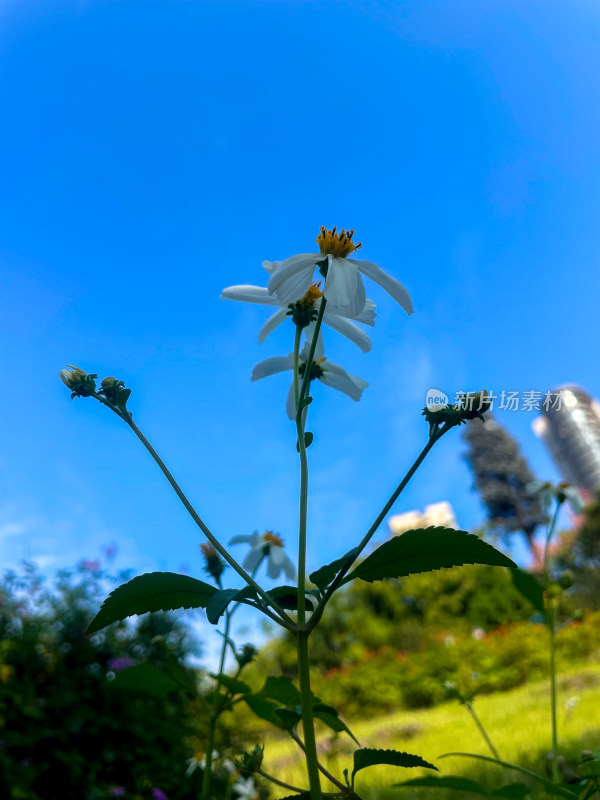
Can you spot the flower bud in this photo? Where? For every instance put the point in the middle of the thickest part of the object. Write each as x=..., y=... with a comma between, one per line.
x=80, y=383
x=566, y=580
x=251, y=761
x=245, y=655
x=214, y=563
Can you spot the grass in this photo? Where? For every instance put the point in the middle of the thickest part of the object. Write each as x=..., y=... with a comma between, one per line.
x=518, y=722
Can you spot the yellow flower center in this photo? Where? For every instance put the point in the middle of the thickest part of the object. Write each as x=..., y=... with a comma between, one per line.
x=271, y=538
x=313, y=294
x=339, y=244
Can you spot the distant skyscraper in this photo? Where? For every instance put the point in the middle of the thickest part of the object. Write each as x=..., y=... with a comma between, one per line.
x=570, y=429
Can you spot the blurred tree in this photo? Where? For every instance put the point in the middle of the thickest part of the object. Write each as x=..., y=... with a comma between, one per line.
x=70, y=726
x=501, y=478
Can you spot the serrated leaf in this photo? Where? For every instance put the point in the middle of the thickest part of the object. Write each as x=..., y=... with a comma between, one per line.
x=234, y=685
x=425, y=550
x=530, y=589
x=368, y=757
x=144, y=678
x=323, y=576
x=223, y=597
x=282, y=689
x=298, y=796
x=154, y=591
x=333, y=721
x=263, y=708
x=288, y=716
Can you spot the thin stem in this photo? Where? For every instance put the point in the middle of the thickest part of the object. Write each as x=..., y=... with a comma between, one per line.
x=551, y=623
x=285, y=619
x=379, y=519
x=207, y=777
x=297, y=338
x=278, y=782
x=482, y=730
x=311, y=353
x=342, y=787
x=308, y=723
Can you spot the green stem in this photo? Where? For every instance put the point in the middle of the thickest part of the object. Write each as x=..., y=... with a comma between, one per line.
x=308, y=723
x=207, y=777
x=277, y=782
x=482, y=730
x=297, y=338
x=379, y=519
x=284, y=618
x=311, y=353
x=347, y=790
x=551, y=623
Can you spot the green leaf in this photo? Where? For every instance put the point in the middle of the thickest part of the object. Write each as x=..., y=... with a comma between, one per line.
x=323, y=576
x=288, y=716
x=332, y=720
x=234, y=685
x=308, y=438
x=287, y=597
x=263, y=708
x=367, y=757
x=154, y=591
x=530, y=589
x=282, y=689
x=552, y=789
x=298, y=796
x=425, y=550
x=144, y=678
x=306, y=402
x=221, y=599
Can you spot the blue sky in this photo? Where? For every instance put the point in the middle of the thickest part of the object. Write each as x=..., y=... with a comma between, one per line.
x=155, y=152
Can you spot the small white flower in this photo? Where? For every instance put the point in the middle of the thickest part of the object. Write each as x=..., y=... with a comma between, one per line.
x=344, y=287
x=332, y=316
x=269, y=546
x=324, y=370
x=198, y=761
x=547, y=492
x=246, y=788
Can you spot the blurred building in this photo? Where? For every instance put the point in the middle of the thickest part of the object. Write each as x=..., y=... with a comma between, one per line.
x=436, y=514
x=570, y=429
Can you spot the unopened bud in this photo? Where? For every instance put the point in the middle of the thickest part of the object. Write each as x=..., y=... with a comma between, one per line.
x=80, y=383
x=214, y=563
x=566, y=580
x=245, y=655
x=251, y=761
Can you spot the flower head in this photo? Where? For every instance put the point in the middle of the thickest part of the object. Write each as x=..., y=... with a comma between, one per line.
x=303, y=311
x=322, y=369
x=269, y=546
x=246, y=788
x=80, y=383
x=344, y=288
x=547, y=492
x=214, y=563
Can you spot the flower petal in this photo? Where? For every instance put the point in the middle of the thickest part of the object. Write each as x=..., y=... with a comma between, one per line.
x=270, y=325
x=292, y=277
x=290, y=402
x=289, y=569
x=338, y=378
x=245, y=539
x=348, y=329
x=253, y=559
x=344, y=287
x=391, y=285
x=309, y=332
x=270, y=366
x=249, y=294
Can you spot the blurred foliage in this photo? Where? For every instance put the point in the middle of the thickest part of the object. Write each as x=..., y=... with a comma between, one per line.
x=67, y=729
x=468, y=625
x=580, y=552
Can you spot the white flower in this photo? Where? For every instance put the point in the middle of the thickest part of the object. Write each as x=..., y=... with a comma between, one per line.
x=332, y=316
x=246, y=788
x=324, y=370
x=269, y=546
x=344, y=287
x=547, y=492
x=198, y=761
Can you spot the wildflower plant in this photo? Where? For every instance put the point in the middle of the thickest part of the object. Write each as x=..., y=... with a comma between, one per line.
x=309, y=290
